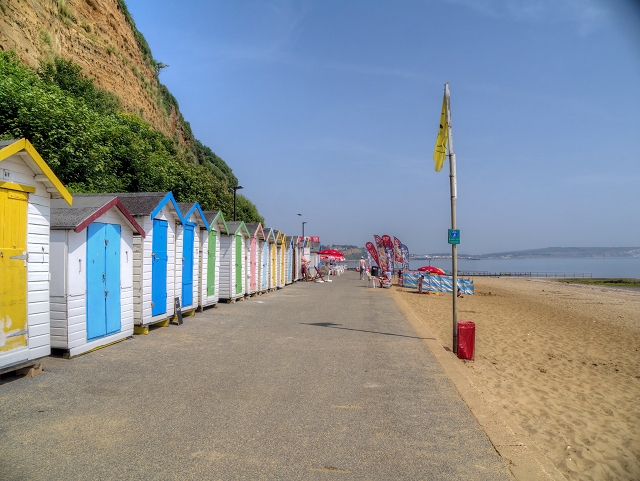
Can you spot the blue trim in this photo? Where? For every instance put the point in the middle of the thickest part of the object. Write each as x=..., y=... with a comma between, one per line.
x=196, y=206
x=163, y=202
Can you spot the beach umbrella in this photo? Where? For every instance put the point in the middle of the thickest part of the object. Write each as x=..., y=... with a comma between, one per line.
x=433, y=270
x=331, y=252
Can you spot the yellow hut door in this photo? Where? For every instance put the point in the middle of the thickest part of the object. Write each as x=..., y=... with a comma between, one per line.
x=13, y=269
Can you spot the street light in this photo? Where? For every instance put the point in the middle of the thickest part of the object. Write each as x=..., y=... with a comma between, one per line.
x=302, y=228
x=236, y=188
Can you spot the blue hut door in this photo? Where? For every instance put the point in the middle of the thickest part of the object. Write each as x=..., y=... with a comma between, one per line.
x=103, y=280
x=159, y=267
x=187, y=266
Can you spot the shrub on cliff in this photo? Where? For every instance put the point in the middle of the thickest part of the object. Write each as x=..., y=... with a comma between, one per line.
x=93, y=147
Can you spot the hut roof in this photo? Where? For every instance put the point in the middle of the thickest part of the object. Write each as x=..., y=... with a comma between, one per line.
x=269, y=235
x=255, y=230
x=37, y=164
x=148, y=203
x=188, y=208
x=86, y=209
x=237, y=226
x=215, y=216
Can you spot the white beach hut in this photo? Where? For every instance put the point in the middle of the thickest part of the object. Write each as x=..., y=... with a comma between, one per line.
x=153, y=257
x=210, y=276
x=280, y=259
x=27, y=185
x=288, y=260
x=268, y=281
x=233, y=261
x=256, y=244
x=91, y=272
x=191, y=240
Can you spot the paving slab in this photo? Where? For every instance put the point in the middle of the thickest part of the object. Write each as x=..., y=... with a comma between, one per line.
x=314, y=381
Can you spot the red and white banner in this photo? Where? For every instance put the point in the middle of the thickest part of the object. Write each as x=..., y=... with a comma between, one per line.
x=388, y=250
x=372, y=252
x=382, y=256
x=397, y=250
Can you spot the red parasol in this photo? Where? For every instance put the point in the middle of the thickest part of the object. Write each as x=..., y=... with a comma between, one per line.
x=433, y=270
x=331, y=252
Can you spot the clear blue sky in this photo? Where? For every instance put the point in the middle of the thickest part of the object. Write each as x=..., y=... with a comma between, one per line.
x=331, y=108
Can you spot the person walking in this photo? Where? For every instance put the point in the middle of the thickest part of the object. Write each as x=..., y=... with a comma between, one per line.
x=362, y=268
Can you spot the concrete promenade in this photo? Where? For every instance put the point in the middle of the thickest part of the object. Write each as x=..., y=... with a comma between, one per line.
x=315, y=381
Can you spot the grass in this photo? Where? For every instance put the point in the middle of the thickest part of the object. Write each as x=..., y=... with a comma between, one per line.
x=612, y=282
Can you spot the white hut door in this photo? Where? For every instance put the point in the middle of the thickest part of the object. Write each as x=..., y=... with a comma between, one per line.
x=13, y=270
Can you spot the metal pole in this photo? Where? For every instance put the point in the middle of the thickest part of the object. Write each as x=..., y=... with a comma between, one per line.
x=234, y=204
x=454, y=194
x=303, y=230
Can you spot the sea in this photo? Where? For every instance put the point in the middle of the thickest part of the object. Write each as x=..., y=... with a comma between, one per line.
x=601, y=267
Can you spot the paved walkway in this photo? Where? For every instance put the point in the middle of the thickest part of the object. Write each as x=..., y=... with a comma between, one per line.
x=316, y=381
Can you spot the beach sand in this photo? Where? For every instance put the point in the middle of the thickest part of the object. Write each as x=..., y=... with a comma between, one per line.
x=563, y=360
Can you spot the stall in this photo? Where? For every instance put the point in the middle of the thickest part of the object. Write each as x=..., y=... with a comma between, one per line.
x=256, y=246
x=154, y=296
x=191, y=240
x=233, y=265
x=27, y=186
x=91, y=272
x=210, y=275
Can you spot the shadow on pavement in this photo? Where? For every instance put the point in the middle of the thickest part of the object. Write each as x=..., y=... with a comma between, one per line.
x=337, y=326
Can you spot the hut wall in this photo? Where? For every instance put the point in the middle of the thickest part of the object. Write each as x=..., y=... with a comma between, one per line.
x=38, y=217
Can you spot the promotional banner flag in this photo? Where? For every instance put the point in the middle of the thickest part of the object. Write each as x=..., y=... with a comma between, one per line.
x=372, y=252
x=397, y=250
x=389, y=251
x=382, y=256
x=440, y=150
x=405, y=257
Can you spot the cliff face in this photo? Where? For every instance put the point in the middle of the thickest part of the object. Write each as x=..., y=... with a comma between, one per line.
x=96, y=35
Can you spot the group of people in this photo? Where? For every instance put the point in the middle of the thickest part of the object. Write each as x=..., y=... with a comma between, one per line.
x=384, y=279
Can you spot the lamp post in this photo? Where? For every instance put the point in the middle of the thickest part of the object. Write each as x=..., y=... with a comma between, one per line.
x=236, y=188
x=302, y=228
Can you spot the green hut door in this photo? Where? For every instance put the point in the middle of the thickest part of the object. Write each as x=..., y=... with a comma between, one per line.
x=211, y=264
x=239, y=256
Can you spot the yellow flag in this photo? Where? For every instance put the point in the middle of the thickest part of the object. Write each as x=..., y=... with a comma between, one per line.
x=440, y=151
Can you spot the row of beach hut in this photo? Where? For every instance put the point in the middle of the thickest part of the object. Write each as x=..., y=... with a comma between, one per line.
x=81, y=272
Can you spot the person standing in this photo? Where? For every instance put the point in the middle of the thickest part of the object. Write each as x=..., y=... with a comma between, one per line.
x=362, y=267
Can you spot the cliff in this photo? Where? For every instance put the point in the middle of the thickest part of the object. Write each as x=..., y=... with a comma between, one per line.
x=101, y=37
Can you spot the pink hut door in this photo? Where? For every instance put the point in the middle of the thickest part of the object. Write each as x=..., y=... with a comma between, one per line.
x=254, y=264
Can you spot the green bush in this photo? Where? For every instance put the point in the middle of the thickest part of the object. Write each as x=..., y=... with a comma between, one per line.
x=93, y=147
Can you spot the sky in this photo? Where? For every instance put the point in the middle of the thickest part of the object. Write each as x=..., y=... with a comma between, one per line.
x=330, y=109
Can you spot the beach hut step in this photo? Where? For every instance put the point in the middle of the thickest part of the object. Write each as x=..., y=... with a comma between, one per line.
x=141, y=329
x=189, y=313
x=27, y=369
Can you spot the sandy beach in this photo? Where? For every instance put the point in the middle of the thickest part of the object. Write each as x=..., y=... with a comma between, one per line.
x=563, y=360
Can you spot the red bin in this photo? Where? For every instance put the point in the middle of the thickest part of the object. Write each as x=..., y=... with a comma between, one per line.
x=466, y=339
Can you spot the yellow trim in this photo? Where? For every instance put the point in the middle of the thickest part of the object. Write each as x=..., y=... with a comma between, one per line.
x=19, y=187
x=24, y=144
x=141, y=330
x=164, y=323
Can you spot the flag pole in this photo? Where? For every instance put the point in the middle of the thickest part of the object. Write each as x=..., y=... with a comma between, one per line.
x=454, y=195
